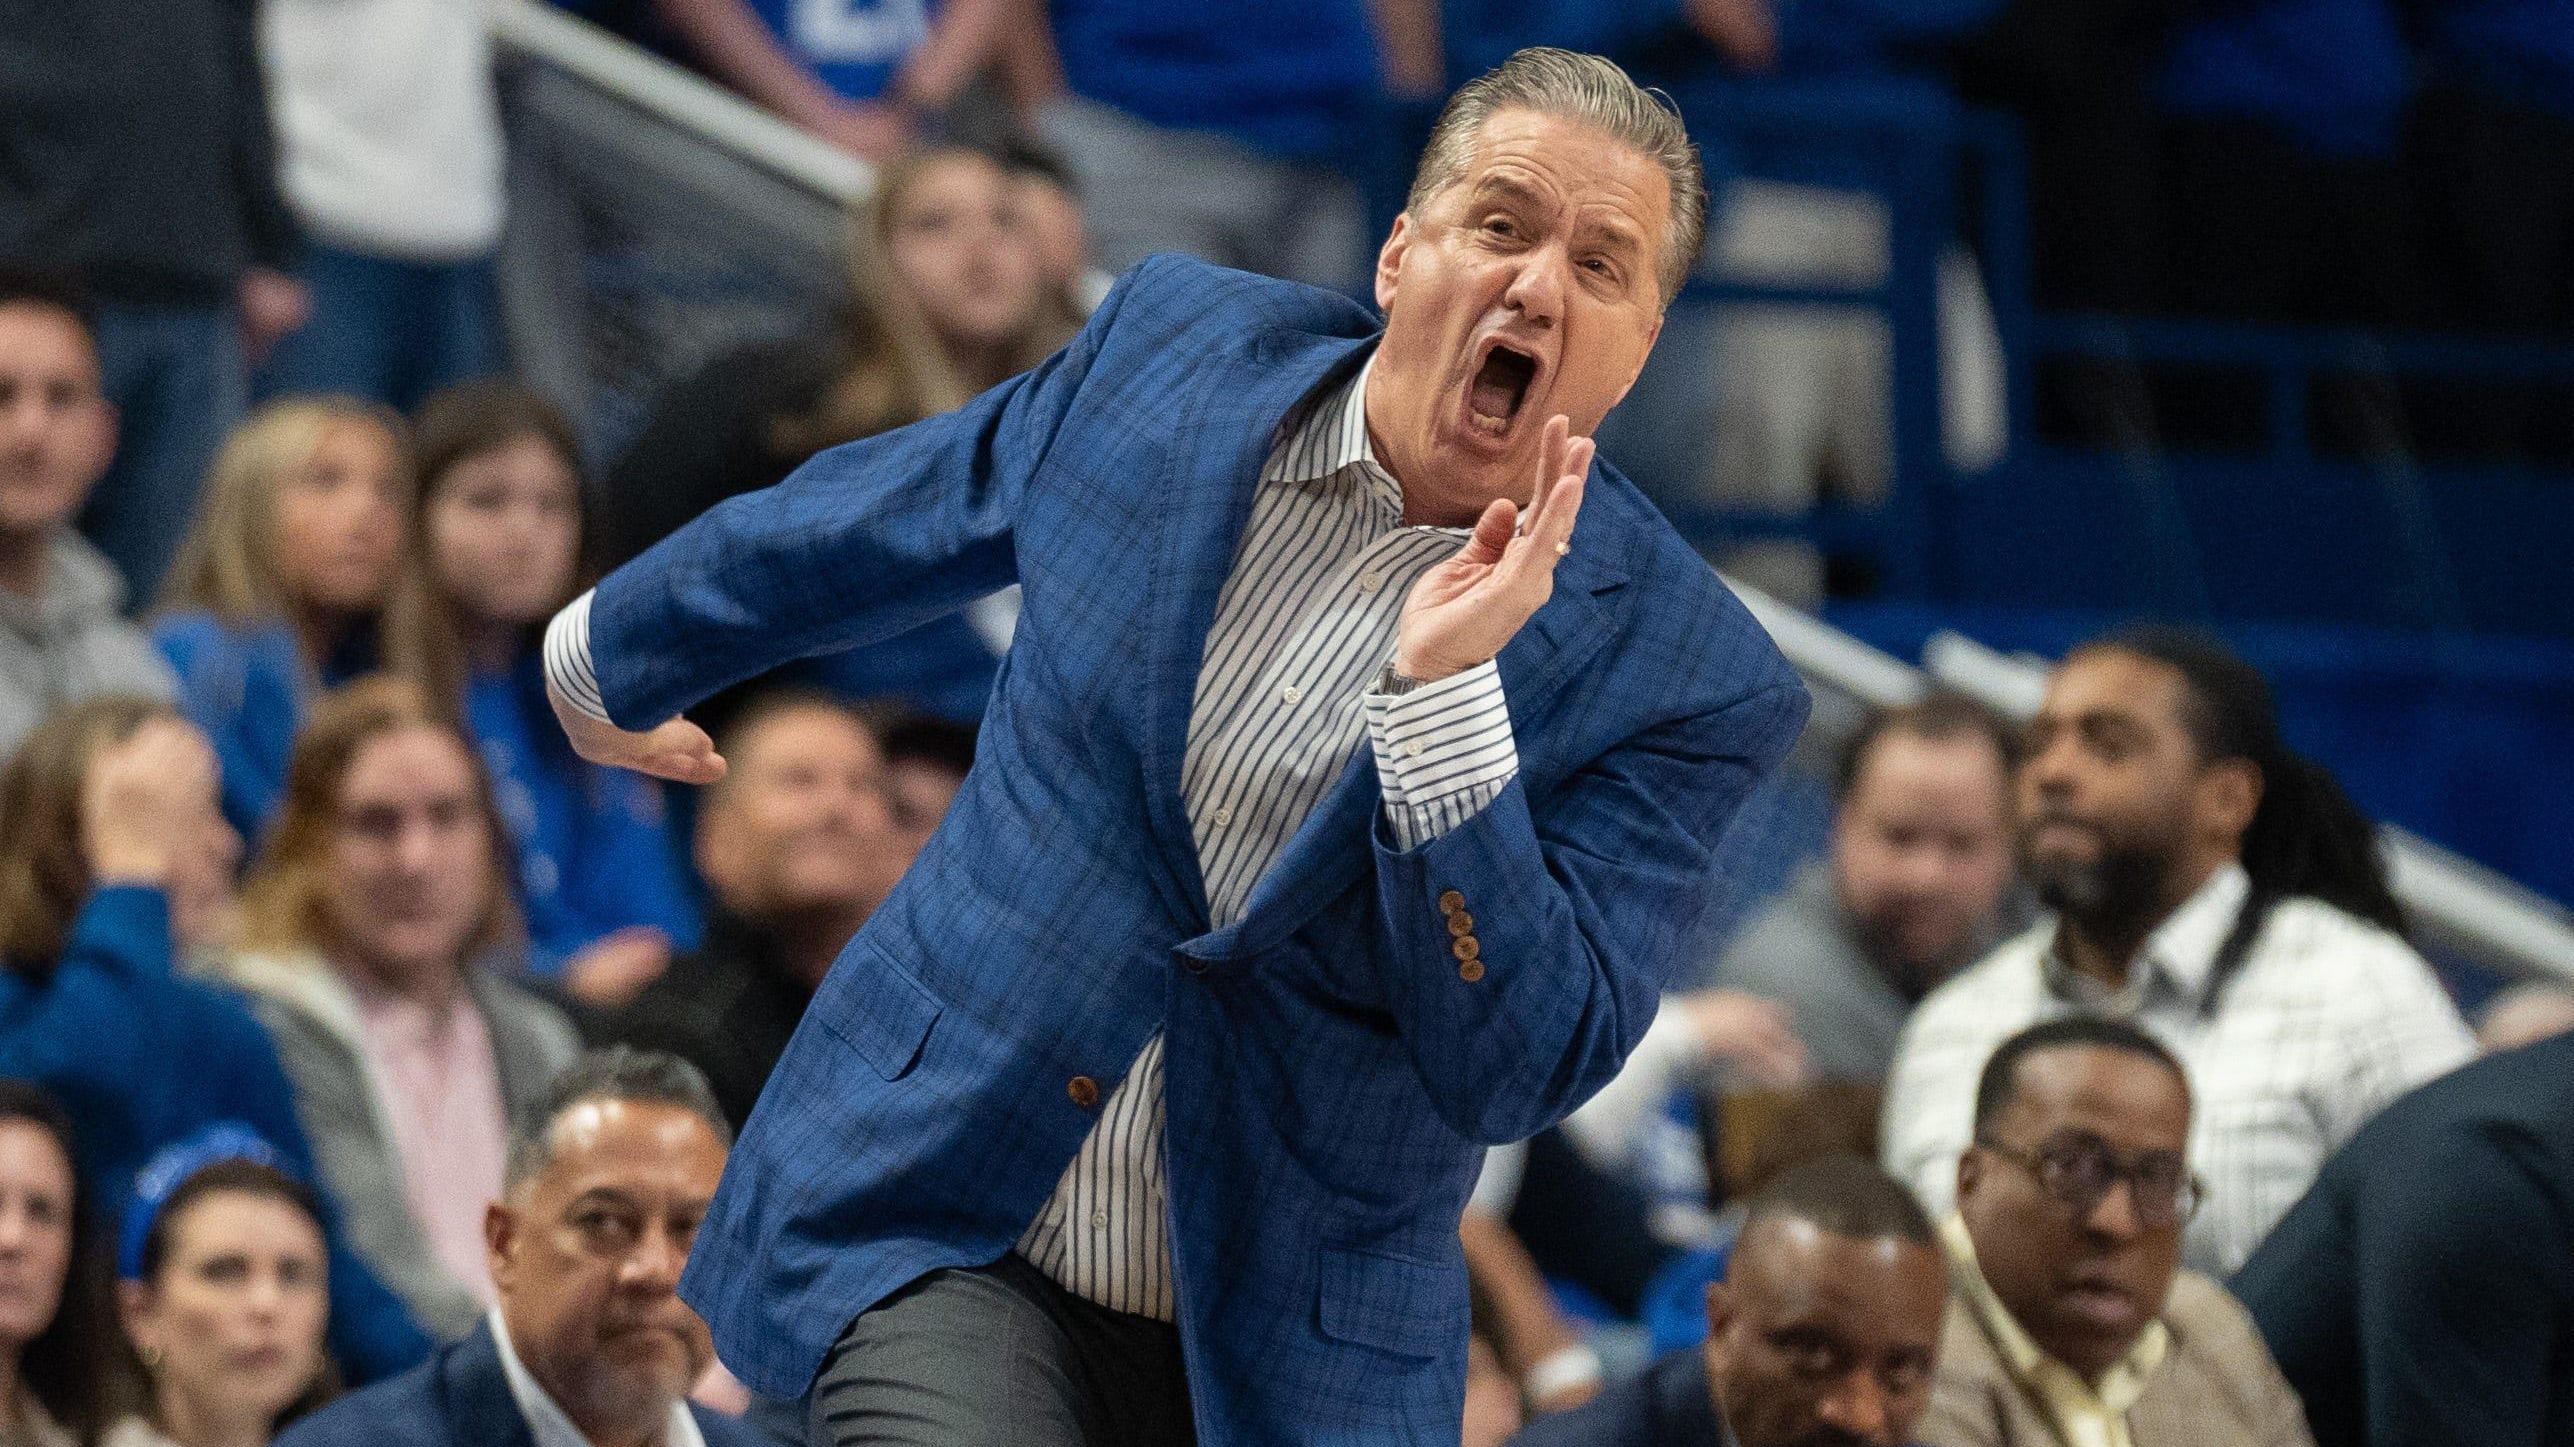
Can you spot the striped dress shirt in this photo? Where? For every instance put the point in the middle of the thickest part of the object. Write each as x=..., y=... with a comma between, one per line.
x=1303, y=627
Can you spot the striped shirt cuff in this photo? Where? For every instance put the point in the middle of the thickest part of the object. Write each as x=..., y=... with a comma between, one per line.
x=567, y=660
x=1443, y=752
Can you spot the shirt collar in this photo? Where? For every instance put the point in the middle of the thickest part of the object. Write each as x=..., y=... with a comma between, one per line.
x=2182, y=949
x=547, y=1423
x=1332, y=436
x=2051, y=1380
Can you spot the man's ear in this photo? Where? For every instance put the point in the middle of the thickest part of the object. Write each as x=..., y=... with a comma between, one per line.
x=1721, y=1311
x=2228, y=795
x=500, y=1242
x=1970, y=1171
x=1389, y=260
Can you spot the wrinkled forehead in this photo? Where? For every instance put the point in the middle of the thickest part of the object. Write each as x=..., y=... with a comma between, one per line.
x=1540, y=159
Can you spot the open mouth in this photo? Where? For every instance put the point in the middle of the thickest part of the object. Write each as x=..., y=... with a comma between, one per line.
x=1500, y=388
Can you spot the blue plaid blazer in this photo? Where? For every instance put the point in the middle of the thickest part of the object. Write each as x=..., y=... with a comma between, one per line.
x=1332, y=1076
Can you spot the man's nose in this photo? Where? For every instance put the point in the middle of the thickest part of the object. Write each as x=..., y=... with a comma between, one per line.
x=2115, y=1215
x=1537, y=288
x=656, y=1262
x=1859, y=1408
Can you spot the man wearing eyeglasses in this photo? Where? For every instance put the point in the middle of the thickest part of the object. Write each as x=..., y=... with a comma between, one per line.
x=2070, y=1322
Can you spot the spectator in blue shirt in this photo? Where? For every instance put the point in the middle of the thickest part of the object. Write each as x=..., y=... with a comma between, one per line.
x=498, y=531
x=116, y=859
x=861, y=74
x=276, y=589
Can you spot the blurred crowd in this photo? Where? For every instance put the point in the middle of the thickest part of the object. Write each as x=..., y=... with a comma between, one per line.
x=353, y=1031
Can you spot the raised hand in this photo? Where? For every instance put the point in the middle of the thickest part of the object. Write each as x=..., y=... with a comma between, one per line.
x=678, y=750
x=146, y=798
x=1463, y=611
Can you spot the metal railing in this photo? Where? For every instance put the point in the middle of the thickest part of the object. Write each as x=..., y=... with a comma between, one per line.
x=602, y=93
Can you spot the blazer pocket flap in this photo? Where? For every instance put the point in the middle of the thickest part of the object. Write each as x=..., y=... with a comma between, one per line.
x=1391, y=1303
x=880, y=1011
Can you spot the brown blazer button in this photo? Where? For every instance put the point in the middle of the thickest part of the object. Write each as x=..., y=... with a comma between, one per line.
x=1451, y=901
x=1084, y=1091
x=1471, y=971
x=1460, y=925
x=1465, y=947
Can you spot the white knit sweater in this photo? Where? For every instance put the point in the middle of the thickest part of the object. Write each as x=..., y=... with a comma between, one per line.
x=388, y=131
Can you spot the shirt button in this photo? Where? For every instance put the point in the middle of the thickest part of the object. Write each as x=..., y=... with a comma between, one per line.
x=1471, y=971
x=1370, y=582
x=1223, y=818
x=1099, y=1220
x=1412, y=750
x=1450, y=901
x=1290, y=694
x=1083, y=1090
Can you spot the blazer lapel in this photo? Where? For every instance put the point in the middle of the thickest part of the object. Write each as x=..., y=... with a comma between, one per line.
x=477, y=1394
x=1228, y=422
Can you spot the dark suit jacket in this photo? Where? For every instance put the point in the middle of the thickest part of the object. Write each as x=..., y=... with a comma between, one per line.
x=728, y=1007
x=457, y=1398
x=1668, y=1406
x=1332, y=1073
x=2422, y=1294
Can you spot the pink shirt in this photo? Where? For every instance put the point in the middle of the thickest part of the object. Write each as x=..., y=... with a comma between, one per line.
x=440, y=1085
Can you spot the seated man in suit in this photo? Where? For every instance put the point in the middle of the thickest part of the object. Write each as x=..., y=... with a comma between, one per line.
x=1822, y=1334
x=2072, y=1324
x=1339, y=812
x=590, y=1345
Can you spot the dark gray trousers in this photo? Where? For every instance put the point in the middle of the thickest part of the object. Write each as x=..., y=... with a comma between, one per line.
x=1000, y=1356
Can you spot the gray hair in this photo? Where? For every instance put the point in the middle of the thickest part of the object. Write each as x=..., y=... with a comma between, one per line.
x=619, y=1072
x=1582, y=88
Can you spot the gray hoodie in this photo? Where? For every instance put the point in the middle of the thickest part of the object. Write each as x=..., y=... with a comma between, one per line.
x=71, y=643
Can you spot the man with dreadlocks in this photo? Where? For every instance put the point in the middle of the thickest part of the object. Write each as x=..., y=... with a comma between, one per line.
x=2216, y=890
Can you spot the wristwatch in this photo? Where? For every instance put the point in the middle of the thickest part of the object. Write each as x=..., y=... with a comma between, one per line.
x=1394, y=685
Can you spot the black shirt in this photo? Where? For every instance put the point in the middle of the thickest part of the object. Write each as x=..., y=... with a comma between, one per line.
x=2422, y=1292
x=727, y=1008
x=1668, y=1406
x=135, y=147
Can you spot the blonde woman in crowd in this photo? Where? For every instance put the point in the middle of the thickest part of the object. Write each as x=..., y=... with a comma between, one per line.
x=948, y=296
x=226, y=1295
x=277, y=588
x=377, y=928
x=499, y=524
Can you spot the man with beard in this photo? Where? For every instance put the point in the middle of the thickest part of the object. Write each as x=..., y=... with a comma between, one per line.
x=2070, y=1324
x=589, y=1345
x=1823, y=1333
x=1914, y=887
x=2214, y=889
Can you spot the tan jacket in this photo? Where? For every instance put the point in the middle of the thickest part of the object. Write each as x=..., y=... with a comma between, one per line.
x=2215, y=1387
